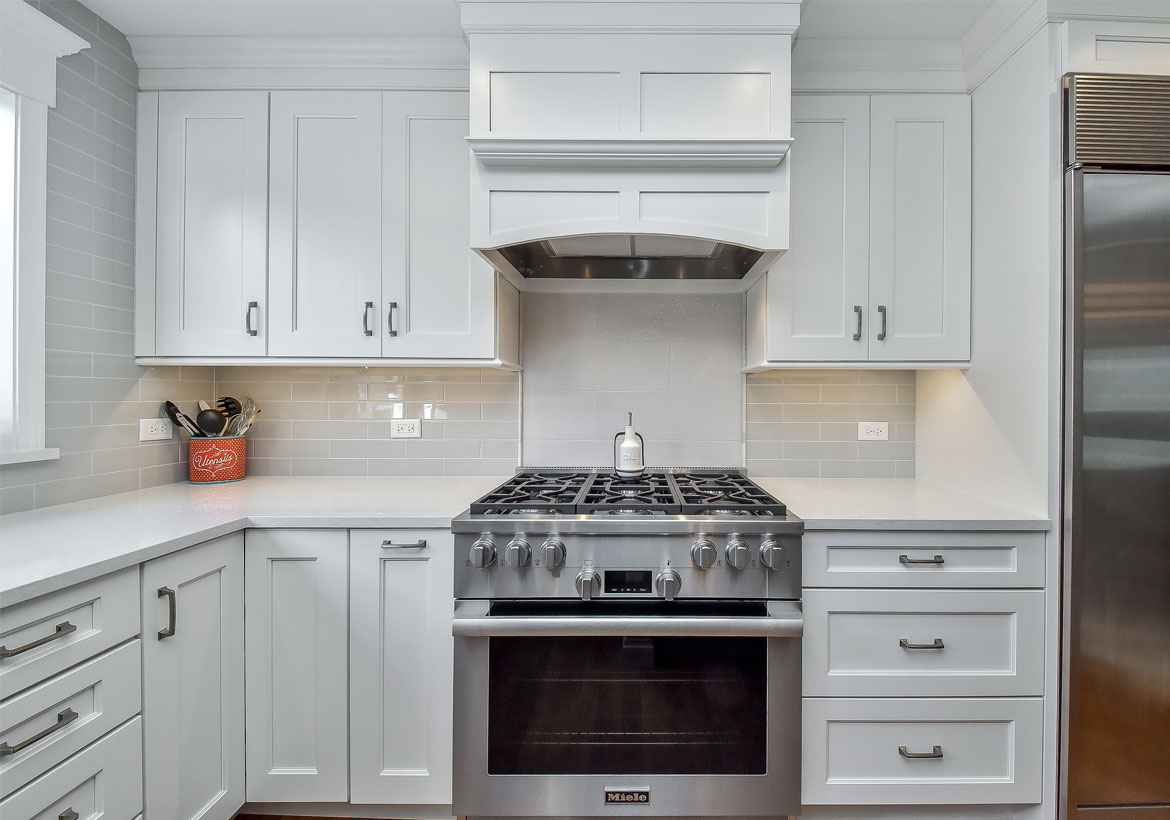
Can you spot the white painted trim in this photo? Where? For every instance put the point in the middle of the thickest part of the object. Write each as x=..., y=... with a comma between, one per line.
x=856, y=365
x=303, y=79
x=145, y=224
x=309, y=361
x=987, y=53
x=865, y=66
x=636, y=16
x=300, y=52
x=496, y=152
x=26, y=456
x=30, y=44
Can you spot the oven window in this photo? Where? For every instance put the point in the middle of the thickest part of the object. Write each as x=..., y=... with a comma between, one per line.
x=633, y=705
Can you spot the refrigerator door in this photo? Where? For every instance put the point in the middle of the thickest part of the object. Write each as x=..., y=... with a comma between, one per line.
x=1117, y=496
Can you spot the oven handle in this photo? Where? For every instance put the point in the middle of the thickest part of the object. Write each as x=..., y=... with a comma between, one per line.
x=473, y=622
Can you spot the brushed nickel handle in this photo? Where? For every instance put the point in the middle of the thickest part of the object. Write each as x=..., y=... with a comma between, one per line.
x=882, y=333
x=64, y=628
x=366, y=319
x=933, y=754
x=905, y=559
x=68, y=814
x=252, y=306
x=390, y=319
x=169, y=594
x=905, y=644
x=64, y=718
x=857, y=333
x=420, y=544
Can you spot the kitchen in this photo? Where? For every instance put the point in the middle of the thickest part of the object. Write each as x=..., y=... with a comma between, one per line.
x=333, y=564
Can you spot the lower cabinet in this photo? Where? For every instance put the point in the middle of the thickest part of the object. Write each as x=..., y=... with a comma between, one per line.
x=193, y=681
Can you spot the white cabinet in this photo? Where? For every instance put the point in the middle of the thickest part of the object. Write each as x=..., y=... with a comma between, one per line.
x=400, y=666
x=296, y=593
x=211, y=192
x=879, y=268
x=193, y=681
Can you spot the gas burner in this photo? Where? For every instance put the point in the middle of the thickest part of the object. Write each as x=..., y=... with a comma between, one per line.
x=628, y=511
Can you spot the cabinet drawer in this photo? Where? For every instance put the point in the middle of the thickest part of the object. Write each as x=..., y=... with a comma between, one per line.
x=863, y=558
x=49, y=634
x=69, y=711
x=103, y=782
x=870, y=643
x=981, y=751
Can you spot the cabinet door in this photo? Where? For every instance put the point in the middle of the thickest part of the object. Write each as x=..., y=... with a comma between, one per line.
x=920, y=206
x=439, y=294
x=296, y=590
x=818, y=290
x=212, y=207
x=325, y=223
x=400, y=666
x=193, y=681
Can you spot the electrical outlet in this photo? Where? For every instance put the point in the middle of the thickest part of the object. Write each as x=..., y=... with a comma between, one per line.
x=155, y=430
x=405, y=428
x=873, y=431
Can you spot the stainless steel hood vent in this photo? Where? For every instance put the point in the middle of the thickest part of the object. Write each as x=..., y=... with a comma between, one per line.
x=620, y=256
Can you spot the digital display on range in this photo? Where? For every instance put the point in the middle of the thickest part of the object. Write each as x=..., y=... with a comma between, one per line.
x=627, y=581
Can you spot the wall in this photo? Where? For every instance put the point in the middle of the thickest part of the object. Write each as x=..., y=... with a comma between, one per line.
x=803, y=423
x=94, y=392
x=336, y=420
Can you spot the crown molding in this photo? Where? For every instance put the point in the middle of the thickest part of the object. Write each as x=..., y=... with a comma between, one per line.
x=629, y=16
x=863, y=65
x=601, y=153
x=30, y=44
x=433, y=53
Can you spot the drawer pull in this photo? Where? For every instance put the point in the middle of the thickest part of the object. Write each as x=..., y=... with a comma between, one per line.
x=905, y=644
x=64, y=628
x=68, y=814
x=420, y=544
x=169, y=594
x=64, y=718
x=934, y=754
x=906, y=559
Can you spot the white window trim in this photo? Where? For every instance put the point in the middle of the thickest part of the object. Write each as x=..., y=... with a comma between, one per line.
x=30, y=44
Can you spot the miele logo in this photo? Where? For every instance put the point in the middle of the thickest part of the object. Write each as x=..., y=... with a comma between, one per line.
x=627, y=796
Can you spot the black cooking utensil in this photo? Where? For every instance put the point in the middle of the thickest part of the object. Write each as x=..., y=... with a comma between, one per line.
x=229, y=406
x=211, y=422
x=180, y=418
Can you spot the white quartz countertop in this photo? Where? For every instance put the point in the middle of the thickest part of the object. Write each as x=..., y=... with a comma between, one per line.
x=52, y=548
x=893, y=503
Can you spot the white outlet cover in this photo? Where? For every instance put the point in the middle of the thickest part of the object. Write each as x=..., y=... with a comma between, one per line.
x=873, y=431
x=155, y=430
x=405, y=428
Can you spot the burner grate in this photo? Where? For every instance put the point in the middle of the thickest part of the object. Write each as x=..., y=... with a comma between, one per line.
x=649, y=492
x=541, y=491
x=722, y=492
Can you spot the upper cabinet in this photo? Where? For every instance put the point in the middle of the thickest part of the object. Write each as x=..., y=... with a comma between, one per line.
x=880, y=264
x=312, y=226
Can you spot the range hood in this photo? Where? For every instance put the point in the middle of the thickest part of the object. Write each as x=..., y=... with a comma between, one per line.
x=630, y=140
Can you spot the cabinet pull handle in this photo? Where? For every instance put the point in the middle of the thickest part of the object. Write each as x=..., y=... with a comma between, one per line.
x=68, y=814
x=882, y=333
x=857, y=333
x=390, y=319
x=905, y=644
x=366, y=319
x=169, y=594
x=252, y=306
x=934, y=754
x=905, y=559
x=64, y=718
x=420, y=544
x=64, y=628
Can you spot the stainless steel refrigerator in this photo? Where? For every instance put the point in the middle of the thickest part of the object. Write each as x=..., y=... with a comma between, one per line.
x=1115, y=710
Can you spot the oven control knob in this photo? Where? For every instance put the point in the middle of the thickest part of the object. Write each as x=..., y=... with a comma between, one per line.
x=738, y=553
x=518, y=553
x=667, y=584
x=703, y=553
x=483, y=553
x=552, y=554
x=772, y=554
x=588, y=584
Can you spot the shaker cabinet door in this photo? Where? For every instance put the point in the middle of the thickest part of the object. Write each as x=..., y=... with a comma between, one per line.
x=325, y=226
x=920, y=217
x=438, y=294
x=211, y=237
x=818, y=292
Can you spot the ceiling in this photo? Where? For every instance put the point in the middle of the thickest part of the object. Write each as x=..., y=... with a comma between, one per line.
x=881, y=19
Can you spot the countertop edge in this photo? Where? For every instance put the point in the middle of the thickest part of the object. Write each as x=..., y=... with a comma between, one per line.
x=941, y=525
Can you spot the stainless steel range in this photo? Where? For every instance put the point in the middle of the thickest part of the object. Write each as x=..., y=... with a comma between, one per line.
x=627, y=647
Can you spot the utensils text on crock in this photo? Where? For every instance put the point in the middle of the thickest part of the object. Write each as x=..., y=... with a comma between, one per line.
x=211, y=422
x=180, y=418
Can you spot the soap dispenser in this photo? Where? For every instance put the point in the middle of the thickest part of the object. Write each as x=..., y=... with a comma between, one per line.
x=629, y=457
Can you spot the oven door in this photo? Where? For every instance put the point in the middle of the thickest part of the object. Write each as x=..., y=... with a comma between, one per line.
x=628, y=708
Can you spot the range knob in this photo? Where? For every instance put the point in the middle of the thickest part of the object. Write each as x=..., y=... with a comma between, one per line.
x=772, y=554
x=703, y=553
x=517, y=553
x=737, y=553
x=483, y=553
x=588, y=584
x=552, y=554
x=668, y=584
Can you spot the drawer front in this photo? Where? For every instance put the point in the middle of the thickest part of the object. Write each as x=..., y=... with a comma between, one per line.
x=969, y=751
x=49, y=634
x=103, y=782
x=873, y=643
x=866, y=558
x=67, y=713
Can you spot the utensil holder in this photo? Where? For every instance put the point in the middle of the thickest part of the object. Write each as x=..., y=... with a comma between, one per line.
x=217, y=460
